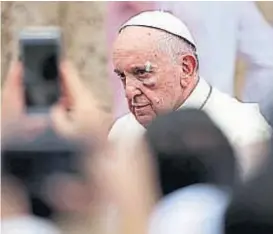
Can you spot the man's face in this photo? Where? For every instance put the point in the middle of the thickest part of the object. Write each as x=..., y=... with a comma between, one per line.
x=150, y=77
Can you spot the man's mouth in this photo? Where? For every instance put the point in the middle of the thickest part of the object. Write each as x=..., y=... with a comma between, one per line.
x=141, y=110
x=138, y=106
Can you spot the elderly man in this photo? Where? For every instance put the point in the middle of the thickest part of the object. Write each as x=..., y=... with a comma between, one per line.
x=156, y=59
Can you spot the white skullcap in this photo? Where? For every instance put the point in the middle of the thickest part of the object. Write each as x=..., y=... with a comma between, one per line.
x=163, y=21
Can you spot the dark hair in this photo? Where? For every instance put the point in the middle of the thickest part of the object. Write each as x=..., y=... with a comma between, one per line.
x=251, y=209
x=189, y=149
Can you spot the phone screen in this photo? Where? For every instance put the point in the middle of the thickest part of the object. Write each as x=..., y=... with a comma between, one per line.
x=41, y=78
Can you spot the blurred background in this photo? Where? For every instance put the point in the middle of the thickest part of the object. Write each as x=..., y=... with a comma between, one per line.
x=88, y=29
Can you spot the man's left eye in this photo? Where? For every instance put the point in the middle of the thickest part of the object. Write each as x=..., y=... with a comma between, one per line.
x=140, y=72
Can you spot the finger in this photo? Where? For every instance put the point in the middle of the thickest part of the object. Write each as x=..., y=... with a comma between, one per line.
x=14, y=74
x=27, y=126
x=36, y=124
x=13, y=91
x=72, y=85
x=65, y=99
x=61, y=122
x=12, y=96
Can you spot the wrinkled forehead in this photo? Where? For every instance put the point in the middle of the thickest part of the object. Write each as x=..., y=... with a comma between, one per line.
x=137, y=43
x=137, y=36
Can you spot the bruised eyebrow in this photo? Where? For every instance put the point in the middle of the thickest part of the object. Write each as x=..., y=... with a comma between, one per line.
x=137, y=68
x=142, y=68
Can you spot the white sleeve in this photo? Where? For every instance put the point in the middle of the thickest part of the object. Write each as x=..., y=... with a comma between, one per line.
x=256, y=46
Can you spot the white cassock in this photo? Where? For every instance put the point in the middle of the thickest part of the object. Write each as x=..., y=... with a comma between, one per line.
x=223, y=30
x=242, y=123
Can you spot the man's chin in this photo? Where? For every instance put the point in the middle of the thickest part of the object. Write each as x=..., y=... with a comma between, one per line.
x=144, y=120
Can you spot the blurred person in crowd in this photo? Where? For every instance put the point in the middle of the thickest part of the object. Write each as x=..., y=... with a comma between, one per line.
x=188, y=149
x=120, y=179
x=156, y=58
x=126, y=175
x=71, y=200
x=251, y=209
x=17, y=217
x=197, y=172
x=74, y=200
x=117, y=13
x=15, y=122
x=221, y=31
x=17, y=214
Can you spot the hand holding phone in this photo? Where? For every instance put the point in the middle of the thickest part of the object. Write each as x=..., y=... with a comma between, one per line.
x=86, y=114
x=44, y=74
x=13, y=116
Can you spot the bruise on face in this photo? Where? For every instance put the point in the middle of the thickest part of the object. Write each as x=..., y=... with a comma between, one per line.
x=143, y=73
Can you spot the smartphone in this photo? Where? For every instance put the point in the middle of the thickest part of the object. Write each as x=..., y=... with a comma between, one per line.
x=40, y=52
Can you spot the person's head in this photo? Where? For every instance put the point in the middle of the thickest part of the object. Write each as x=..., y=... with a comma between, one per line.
x=190, y=149
x=157, y=66
x=251, y=208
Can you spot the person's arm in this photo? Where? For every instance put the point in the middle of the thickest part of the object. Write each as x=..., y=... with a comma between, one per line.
x=256, y=47
x=125, y=175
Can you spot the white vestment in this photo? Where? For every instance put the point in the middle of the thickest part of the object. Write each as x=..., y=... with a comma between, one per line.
x=242, y=123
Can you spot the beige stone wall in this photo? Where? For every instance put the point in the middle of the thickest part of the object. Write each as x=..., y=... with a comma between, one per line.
x=83, y=31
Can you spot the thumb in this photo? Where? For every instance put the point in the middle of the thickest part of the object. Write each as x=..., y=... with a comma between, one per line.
x=72, y=85
x=61, y=122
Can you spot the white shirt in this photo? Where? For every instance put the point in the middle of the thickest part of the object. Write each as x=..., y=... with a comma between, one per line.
x=27, y=225
x=242, y=123
x=223, y=29
x=196, y=209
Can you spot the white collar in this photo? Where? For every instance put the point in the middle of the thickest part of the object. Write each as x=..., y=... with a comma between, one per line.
x=199, y=95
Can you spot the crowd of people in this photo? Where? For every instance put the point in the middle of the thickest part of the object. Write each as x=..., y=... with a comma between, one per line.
x=186, y=158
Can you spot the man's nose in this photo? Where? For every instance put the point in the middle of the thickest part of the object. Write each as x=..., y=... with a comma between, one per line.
x=131, y=90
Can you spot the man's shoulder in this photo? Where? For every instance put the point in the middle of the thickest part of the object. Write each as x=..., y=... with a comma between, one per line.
x=126, y=125
x=125, y=119
x=236, y=108
x=244, y=119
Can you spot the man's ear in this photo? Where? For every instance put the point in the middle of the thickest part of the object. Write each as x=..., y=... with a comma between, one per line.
x=189, y=65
